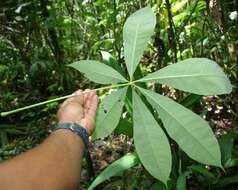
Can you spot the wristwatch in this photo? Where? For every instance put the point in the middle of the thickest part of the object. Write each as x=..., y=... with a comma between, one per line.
x=77, y=129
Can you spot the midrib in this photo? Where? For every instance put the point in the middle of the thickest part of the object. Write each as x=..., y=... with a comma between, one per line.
x=134, y=47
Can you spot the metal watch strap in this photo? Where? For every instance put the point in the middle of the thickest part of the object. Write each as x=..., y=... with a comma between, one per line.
x=77, y=129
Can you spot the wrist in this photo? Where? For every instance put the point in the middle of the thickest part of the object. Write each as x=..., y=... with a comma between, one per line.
x=69, y=140
x=76, y=122
x=76, y=129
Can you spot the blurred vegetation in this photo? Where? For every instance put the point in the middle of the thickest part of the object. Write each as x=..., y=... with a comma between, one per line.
x=38, y=38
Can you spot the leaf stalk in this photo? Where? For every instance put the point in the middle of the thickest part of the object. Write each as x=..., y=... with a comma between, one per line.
x=4, y=114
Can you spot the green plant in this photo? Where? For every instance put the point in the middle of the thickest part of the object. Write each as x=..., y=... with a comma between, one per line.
x=197, y=75
x=126, y=162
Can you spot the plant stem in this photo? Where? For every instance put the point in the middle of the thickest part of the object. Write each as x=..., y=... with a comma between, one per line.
x=171, y=34
x=4, y=114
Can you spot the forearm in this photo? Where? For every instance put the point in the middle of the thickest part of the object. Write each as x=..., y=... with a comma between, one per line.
x=53, y=165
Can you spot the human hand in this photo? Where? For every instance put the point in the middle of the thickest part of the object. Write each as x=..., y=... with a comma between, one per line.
x=80, y=109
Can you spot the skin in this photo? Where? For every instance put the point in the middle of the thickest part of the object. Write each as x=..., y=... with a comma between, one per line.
x=56, y=163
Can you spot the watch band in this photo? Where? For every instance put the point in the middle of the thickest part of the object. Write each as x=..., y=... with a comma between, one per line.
x=77, y=129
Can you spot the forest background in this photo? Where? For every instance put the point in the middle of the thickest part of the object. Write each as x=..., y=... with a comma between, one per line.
x=38, y=38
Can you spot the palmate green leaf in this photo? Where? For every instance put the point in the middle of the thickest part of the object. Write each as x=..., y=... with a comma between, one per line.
x=151, y=143
x=136, y=32
x=189, y=130
x=98, y=72
x=196, y=75
x=124, y=163
x=109, y=113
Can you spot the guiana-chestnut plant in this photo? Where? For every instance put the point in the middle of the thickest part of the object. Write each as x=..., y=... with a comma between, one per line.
x=192, y=133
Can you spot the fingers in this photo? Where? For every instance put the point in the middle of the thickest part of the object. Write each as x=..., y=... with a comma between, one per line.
x=86, y=96
x=90, y=102
x=78, y=97
x=80, y=108
x=89, y=118
x=93, y=106
x=88, y=99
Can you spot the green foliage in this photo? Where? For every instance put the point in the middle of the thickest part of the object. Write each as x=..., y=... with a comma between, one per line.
x=124, y=127
x=203, y=171
x=227, y=181
x=192, y=133
x=38, y=38
x=184, y=126
x=109, y=113
x=158, y=186
x=124, y=163
x=151, y=143
x=196, y=75
x=226, y=143
x=181, y=182
x=98, y=72
x=136, y=32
